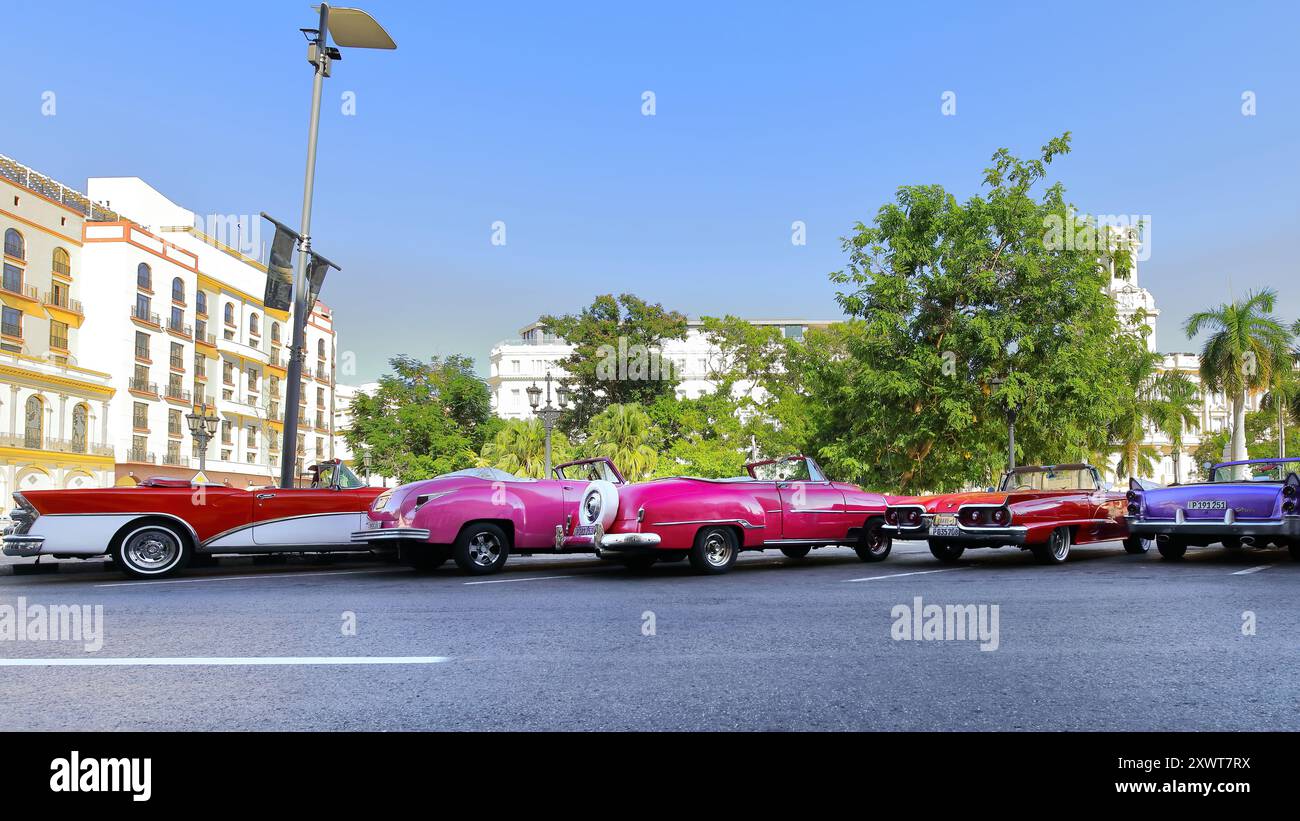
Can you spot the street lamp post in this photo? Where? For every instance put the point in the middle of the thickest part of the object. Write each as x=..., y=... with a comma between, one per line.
x=202, y=427
x=547, y=413
x=351, y=28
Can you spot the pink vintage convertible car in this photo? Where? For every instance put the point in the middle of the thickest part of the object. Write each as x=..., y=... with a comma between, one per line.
x=479, y=516
x=784, y=503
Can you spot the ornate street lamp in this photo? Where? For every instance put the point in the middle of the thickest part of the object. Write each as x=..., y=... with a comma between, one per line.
x=547, y=413
x=202, y=427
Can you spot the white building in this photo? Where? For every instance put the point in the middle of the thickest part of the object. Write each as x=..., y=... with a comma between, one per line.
x=178, y=320
x=515, y=364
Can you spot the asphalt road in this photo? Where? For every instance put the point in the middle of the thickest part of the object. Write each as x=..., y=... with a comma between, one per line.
x=1107, y=641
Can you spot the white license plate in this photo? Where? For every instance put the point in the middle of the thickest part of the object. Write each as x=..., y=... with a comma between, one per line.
x=945, y=530
x=373, y=524
x=584, y=530
x=946, y=519
x=1211, y=504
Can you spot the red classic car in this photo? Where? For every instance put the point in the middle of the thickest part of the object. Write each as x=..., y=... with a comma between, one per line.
x=1044, y=509
x=784, y=503
x=479, y=516
x=155, y=528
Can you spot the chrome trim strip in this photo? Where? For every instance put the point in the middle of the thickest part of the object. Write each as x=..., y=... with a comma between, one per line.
x=742, y=522
x=391, y=534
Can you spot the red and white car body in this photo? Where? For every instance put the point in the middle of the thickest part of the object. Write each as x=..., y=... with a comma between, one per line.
x=1044, y=509
x=786, y=503
x=479, y=516
x=154, y=528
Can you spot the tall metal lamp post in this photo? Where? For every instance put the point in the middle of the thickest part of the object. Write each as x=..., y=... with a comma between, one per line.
x=202, y=427
x=547, y=413
x=350, y=28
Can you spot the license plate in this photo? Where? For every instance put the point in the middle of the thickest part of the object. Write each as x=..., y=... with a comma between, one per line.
x=584, y=530
x=945, y=530
x=945, y=519
x=373, y=524
x=1207, y=504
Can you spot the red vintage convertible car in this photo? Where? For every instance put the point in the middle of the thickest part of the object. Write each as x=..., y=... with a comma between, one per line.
x=155, y=528
x=479, y=516
x=783, y=503
x=1043, y=509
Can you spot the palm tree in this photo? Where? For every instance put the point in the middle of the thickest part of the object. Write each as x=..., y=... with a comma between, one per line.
x=1137, y=410
x=1244, y=343
x=624, y=434
x=1177, y=399
x=520, y=448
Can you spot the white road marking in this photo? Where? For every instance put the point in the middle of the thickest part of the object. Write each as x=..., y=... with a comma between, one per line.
x=529, y=579
x=246, y=578
x=219, y=661
x=900, y=575
x=1250, y=570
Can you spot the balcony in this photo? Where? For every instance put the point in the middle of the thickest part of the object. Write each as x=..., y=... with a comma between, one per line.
x=142, y=386
x=62, y=269
x=141, y=456
x=176, y=460
x=145, y=318
x=19, y=289
x=180, y=329
x=142, y=352
x=178, y=363
x=52, y=300
x=176, y=394
x=33, y=441
x=58, y=341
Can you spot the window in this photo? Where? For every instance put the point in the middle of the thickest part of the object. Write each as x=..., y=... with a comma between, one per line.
x=34, y=431
x=173, y=423
x=230, y=313
x=178, y=290
x=13, y=280
x=178, y=356
x=141, y=345
x=143, y=276
x=320, y=397
x=11, y=322
x=228, y=372
x=140, y=416
x=62, y=263
x=80, y=428
x=142, y=305
x=58, y=335
x=252, y=380
x=59, y=294
x=320, y=349
x=178, y=319
x=227, y=433
x=14, y=245
x=201, y=302
x=275, y=333
x=254, y=329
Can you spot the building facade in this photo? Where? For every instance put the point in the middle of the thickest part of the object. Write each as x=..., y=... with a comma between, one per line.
x=54, y=408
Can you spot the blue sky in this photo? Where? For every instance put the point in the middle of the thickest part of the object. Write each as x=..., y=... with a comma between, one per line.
x=765, y=114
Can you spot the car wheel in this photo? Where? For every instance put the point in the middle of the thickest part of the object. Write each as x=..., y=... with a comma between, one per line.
x=481, y=549
x=1136, y=545
x=873, y=545
x=714, y=551
x=639, y=564
x=152, y=550
x=796, y=552
x=1171, y=549
x=1057, y=549
x=946, y=551
x=1232, y=542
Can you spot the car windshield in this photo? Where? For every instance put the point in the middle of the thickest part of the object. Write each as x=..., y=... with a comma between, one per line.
x=791, y=469
x=490, y=474
x=1257, y=472
x=1049, y=478
x=589, y=472
x=338, y=473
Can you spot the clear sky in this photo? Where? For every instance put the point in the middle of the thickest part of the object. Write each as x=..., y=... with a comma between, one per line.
x=531, y=114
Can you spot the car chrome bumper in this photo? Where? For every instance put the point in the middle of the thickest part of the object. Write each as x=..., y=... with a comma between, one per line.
x=16, y=545
x=1286, y=527
x=1014, y=535
x=604, y=542
x=392, y=534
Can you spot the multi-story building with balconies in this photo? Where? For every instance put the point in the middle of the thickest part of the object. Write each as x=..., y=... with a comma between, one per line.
x=54, y=410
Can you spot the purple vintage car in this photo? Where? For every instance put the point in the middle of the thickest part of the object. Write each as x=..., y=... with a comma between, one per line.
x=1252, y=503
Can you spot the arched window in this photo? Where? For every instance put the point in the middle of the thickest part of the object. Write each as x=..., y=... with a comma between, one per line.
x=14, y=245
x=230, y=313
x=254, y=327
x=178, y=290
x=320, y=349
x=143, y=276
x=80, y=426
x=275, y=332
x=201, y=302
x=62, y=263
x=35, y=423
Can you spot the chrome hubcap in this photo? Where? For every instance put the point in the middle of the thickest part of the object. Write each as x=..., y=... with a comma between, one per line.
x=152, y=550
x=484, y=550
x=1060, y=545
x=717, y=551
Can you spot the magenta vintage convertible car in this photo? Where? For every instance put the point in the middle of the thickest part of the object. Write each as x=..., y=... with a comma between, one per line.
x=782, y=503
x=479, y=516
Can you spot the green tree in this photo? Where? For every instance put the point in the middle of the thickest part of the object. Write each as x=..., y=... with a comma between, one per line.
x=702, y=436
x=625, y=434
x=1244, y=344
x=425, y=419
x=616, y=356
x=519, y=447
x=1177, y=401
x=959, y=310
x=1137, y=408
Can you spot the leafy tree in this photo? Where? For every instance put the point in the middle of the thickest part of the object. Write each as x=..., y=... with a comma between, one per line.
x=1177, y=401
x=702, y=436
x=959, y=310
x=625, y=434
x=519, y=447
x=1245, y=343
x=425, y=419
x=616, y=356
x=1283, y=397
x=1137, y=407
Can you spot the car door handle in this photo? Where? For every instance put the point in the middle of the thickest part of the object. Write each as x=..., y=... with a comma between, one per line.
x=266, y=495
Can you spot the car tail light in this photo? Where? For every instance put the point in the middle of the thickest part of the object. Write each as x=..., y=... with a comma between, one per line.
x=1132, y=496
x=1135, y=510
x=1001, y=516
x=1288, y=507
x=891, y=517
